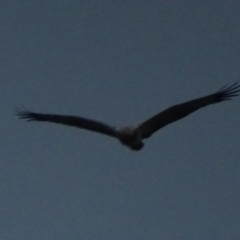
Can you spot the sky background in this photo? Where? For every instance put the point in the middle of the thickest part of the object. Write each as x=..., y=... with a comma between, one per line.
x=119, y=62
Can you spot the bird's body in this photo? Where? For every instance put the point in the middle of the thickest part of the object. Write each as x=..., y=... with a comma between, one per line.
x=132, y=137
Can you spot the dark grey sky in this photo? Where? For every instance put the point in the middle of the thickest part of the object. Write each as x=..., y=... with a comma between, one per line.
x=119, y=62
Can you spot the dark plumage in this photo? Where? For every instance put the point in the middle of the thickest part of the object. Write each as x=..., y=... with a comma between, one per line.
x=133, y=136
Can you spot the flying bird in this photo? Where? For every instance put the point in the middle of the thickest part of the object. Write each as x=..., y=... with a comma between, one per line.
x=132, y=136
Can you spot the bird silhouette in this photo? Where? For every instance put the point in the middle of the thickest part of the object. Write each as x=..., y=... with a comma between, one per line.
x=132, y=136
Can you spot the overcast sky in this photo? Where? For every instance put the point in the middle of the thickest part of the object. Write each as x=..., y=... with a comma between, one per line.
x=119, y=62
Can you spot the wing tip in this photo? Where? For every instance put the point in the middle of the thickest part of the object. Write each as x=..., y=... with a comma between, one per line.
x=228, y=92
x=25, y=114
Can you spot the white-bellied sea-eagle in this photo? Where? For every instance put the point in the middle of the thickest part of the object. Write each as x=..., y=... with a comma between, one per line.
x=132, y=137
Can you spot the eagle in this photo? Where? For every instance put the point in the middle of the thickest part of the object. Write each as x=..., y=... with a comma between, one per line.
x=133, y=136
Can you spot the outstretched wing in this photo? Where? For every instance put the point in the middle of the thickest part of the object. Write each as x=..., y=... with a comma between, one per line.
x=179, y=111
x=73, y=121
